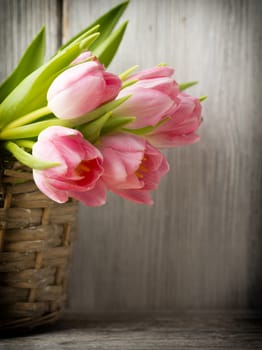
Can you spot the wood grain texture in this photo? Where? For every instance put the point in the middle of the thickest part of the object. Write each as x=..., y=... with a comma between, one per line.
x=200, y=245
x=20, y=21
x=185, y=332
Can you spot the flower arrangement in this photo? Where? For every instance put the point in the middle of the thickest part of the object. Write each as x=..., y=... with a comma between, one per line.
x=84, y=130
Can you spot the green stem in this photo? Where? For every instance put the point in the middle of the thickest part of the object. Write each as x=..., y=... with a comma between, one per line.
x=32, y=130
x=28, y=118
x=25, y=143
x=26, y=158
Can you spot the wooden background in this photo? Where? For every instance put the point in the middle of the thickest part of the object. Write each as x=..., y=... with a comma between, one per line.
x=200, y=245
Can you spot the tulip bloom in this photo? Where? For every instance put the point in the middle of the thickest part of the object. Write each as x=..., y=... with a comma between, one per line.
x=153, y=96
x=152, y=73
x=79, y=171
x=181, y=128
x=80, y=89
x=132, y=167
x=84, y=56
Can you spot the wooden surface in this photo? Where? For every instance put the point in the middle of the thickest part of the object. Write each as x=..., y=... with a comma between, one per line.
x=200, y=245
x=210, y=332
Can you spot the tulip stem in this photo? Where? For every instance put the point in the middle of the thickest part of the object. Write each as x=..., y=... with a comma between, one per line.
x=25, y=143
x=27, y=158
x=29, y=118
x=32, y=130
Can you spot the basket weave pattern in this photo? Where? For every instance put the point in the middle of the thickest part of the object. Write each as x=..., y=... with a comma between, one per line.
x=36, y=236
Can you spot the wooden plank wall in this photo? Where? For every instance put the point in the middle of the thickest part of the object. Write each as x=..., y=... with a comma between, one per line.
x=200, y=245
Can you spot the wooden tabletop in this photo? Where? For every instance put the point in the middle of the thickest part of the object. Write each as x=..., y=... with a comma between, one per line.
x=237, y=331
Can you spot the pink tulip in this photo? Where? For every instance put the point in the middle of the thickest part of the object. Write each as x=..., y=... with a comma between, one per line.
x=132, y=167
x=80, y=89
x=84, y=56
x=153, y=96
x=79, y=171
x=181, y=128
x=151, y=73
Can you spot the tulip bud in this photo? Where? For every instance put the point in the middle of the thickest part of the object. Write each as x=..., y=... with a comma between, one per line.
x=153, y=97
x=80, y=89
x=180, y=128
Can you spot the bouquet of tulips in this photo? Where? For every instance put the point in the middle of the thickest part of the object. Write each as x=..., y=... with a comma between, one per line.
x=84, y=130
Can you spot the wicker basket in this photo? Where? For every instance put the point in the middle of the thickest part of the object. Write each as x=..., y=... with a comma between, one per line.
x=36, y=236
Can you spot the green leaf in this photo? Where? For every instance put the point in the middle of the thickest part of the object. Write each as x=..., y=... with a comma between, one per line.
x=108, y=48
x=202, y=98
x=123, y=76
x=184, y=86
x=107, y=23
x=85, y=43
x=31, y=60
x=116, y=123
x=26, y=158
x=141, y=131
x=92, y=130
x=32, y=130
x=82, y=35
x=30, y=94
x=29, y=118
x=25, y=143
x=98, y=112
x=147, y=129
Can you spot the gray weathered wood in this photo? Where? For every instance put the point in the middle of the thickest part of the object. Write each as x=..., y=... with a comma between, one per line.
x=20, y=21
x=192, y=331
x=200, y=245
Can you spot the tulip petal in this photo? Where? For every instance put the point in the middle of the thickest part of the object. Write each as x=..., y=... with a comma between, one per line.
x=45, y=187
x=147, y=105
x=80, y=103
x=80, y=89
x=180, y=128
x=132, y=167
x=151, y=73
x=112, y=87
x=93, y=198
x=81, y=165
x=137, y=196
x=168, y=141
